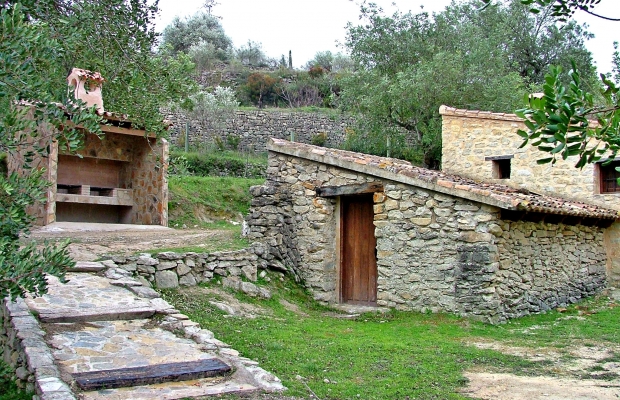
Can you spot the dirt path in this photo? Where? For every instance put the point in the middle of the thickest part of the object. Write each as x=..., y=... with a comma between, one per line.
x=91, y=241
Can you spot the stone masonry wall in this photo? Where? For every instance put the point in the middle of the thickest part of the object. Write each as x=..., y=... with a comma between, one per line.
x=255, y=127
x=543, y=266
x=237, y=269
x=468, y=139
x=22, y=346
x=434, y=252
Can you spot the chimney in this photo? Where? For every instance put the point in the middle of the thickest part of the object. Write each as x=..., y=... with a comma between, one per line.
x=87, y=87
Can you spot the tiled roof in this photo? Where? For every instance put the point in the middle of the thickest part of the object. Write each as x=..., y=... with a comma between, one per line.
x=402, y=171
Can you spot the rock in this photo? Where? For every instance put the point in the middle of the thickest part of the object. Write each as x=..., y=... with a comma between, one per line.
x=166, y=279
x=145, y=292
x=187, y=280
x=163, y=265
x=183, y=269
x=170, y=256
x=147, y=260
x=249, y=271
x=228, y=309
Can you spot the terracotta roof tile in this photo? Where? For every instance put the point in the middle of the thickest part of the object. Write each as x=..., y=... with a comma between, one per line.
x=402, y=171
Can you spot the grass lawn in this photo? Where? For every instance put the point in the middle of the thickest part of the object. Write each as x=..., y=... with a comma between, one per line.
x=200, y=201
x=398, y=355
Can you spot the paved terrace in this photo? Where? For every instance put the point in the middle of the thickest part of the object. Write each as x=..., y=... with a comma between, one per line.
x=109, y=337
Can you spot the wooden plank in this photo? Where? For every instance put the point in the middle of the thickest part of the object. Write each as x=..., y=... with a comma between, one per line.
x=136, y=376
x=125, y=131
x=361, y=188
x=358, y=258
x=94, y=314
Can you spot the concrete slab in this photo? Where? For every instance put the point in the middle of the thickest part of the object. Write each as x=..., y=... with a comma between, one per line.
x=65, y=227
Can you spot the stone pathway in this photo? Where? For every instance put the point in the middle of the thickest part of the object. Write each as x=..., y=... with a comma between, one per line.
x=104, y=320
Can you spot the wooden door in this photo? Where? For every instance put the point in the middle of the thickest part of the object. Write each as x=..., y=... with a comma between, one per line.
x=358, y=265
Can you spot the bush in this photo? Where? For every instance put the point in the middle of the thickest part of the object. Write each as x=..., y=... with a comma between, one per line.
x=319, y=139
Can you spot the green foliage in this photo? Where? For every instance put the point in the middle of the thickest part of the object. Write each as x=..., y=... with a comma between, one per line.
x=562, y=9
x=39, y=44
x=261, y=89
x=319, y=139
x=559, y=122
x=410, y=64
x=252, y=55
x=226, y=163
x=330, y=62
x=201, y=29
x=212, y=109
x=8, y=388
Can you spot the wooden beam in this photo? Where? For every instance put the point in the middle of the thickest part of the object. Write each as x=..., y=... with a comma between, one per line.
x=150, y=374
x=125, y=131
x=358, y=188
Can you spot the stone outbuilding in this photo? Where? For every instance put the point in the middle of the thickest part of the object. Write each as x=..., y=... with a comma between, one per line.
x=120, y=177
x=485, y=146
x=362, y=229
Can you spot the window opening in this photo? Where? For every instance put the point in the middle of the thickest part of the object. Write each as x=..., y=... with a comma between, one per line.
x=609, y=177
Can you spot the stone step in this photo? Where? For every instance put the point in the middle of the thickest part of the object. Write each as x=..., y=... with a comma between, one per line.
x=159, y=373
x=87, y=266
x=87, y=297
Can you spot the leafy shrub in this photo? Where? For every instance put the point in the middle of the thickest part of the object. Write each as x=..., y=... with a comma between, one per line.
x=316, y=71
x=233, y=142
x=319, y=139
x=178, y=165
x=227, y=164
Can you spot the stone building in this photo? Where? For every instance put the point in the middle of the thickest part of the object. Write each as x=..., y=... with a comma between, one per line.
x=118, y=178
x=363, y=229
x=485, y=146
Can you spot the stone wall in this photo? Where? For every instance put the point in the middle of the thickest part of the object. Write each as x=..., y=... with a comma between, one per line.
x=435, y=252
x=22, y=346
x=543, y=266
x=237, y=269
x=143, y=169
x=254, y=128
x=470, y=136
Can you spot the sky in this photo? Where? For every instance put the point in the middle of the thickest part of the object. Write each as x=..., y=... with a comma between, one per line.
x=306, y=27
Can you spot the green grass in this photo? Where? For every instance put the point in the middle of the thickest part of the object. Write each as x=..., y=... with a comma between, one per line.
x=229, y=240
x=202, y=201
x=396, y=355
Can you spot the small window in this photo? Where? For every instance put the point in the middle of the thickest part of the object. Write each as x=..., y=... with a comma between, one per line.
x=501, y=169
x=501, y=166
x=609, y=177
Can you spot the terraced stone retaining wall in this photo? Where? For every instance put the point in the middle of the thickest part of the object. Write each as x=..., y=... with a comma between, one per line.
x=23, y=348
x=237, y=269
x=435, y=251
x=254, y=128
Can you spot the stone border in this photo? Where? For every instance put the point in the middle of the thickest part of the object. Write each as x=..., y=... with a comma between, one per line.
x=22, y=342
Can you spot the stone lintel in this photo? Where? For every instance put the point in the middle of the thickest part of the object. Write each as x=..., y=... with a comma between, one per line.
x=361, y=188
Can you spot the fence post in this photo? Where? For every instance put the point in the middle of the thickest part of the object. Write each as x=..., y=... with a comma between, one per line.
x=187, y=137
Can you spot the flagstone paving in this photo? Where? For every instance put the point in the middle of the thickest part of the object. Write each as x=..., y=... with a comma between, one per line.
x=101, y=323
